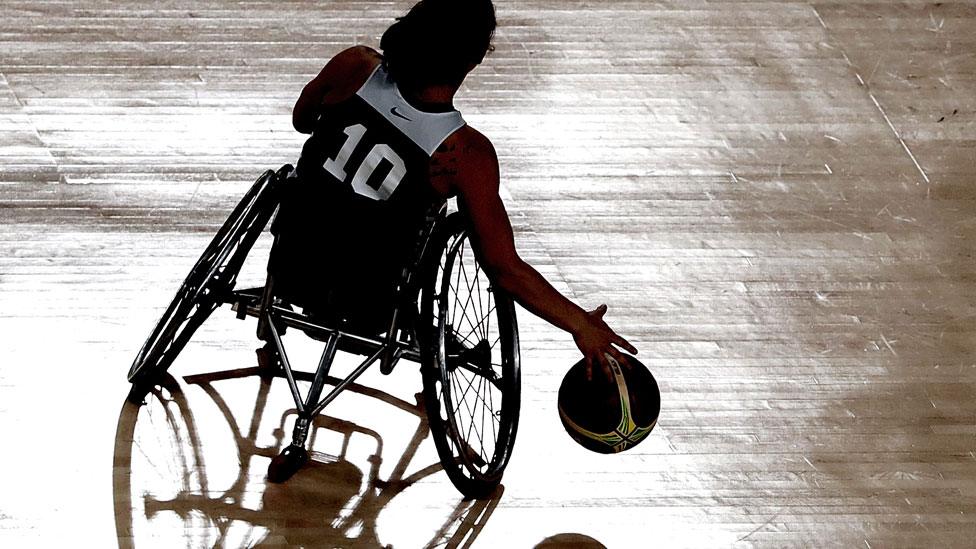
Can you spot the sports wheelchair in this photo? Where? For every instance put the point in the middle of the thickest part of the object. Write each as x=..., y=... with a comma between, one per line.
x=447, y=316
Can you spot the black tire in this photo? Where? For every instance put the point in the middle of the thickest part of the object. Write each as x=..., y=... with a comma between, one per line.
x=470, y=363
x=210, y=280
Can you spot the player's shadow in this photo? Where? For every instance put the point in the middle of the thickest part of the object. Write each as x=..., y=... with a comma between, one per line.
x=167, y=493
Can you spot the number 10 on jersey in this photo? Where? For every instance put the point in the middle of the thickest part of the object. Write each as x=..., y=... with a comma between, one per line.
x=380, y=152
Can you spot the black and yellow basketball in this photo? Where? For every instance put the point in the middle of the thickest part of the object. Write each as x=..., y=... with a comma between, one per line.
x=609, y=415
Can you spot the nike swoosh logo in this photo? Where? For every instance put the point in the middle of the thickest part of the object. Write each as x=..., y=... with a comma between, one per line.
x=395, y=112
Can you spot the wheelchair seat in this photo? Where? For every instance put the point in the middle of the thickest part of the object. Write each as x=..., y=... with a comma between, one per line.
x=339, y=255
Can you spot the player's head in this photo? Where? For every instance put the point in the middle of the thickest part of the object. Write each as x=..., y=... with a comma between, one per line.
x=438, y=41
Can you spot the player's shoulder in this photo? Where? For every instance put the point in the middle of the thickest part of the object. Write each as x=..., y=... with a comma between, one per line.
x=465, y=163
x=359, y=56
x=357, y=62
x=346, y=72
x=469, y=143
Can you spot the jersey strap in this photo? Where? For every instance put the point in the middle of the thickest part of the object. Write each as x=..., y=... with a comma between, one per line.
x=427, y=129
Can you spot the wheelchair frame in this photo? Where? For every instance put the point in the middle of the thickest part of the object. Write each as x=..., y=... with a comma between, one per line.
x=443, y=355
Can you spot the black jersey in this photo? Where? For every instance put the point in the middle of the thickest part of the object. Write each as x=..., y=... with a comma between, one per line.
x=350, y=222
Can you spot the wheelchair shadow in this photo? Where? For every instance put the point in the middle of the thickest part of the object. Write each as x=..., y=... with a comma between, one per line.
x=168, y=491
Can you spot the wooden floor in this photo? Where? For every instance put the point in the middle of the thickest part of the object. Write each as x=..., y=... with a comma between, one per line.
x=776, y=199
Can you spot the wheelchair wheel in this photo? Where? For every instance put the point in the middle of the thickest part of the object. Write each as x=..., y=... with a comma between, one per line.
x=210, y=280
x=470, y=363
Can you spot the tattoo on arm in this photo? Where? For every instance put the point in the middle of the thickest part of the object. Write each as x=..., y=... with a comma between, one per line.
x=445, y=163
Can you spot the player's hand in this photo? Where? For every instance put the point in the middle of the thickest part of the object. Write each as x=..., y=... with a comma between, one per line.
x=596, y=340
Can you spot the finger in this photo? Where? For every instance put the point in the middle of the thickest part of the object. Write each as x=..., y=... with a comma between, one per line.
x=605, y=367
x=589, y=368
x=598, y=313
x=618, y=356
x=600, y=361
x=625, y=344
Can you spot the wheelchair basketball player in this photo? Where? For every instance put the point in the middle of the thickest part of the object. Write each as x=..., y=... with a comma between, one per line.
x=386, y=144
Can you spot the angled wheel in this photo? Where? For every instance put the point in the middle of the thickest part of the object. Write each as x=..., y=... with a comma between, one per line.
x=470, y=366
x=211, y=278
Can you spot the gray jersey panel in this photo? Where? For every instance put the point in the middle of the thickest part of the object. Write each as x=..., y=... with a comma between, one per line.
x=427, y=129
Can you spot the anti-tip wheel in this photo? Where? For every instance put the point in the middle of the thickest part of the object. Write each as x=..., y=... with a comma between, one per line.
x=287, y=463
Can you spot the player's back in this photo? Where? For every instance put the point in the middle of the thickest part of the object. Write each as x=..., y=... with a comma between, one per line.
x=350, y=221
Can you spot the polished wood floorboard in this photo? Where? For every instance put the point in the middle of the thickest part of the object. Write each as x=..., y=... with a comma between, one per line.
x=776, y=200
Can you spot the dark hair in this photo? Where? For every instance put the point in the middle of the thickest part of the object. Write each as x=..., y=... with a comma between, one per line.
x=437, y=41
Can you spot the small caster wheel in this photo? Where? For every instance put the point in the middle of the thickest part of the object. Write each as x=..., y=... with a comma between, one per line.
x=268, y=360
x=287, y=463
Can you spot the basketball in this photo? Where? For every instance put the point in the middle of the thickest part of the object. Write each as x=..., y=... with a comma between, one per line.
x=609, y=415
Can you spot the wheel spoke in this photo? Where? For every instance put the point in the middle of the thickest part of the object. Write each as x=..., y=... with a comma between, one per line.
x=494, y=433
x=483, y=453
x=462, y=394
x=484, y=385
x=491, y=308
x=481, y=304
x=469, y=287
x=463, y=313
x=480, y=385
x=477, y=392
x=464, y=400
x=474, y=286
x=455, y=285
x=484, y=336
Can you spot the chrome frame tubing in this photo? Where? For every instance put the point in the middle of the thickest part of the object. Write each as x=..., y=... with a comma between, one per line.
x=399, y=342
x=375, y=347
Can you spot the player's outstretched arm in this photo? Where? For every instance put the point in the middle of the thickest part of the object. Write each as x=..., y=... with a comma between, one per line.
x=470, y=163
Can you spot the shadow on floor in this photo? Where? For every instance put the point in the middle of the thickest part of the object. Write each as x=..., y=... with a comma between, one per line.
x=166, y=495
